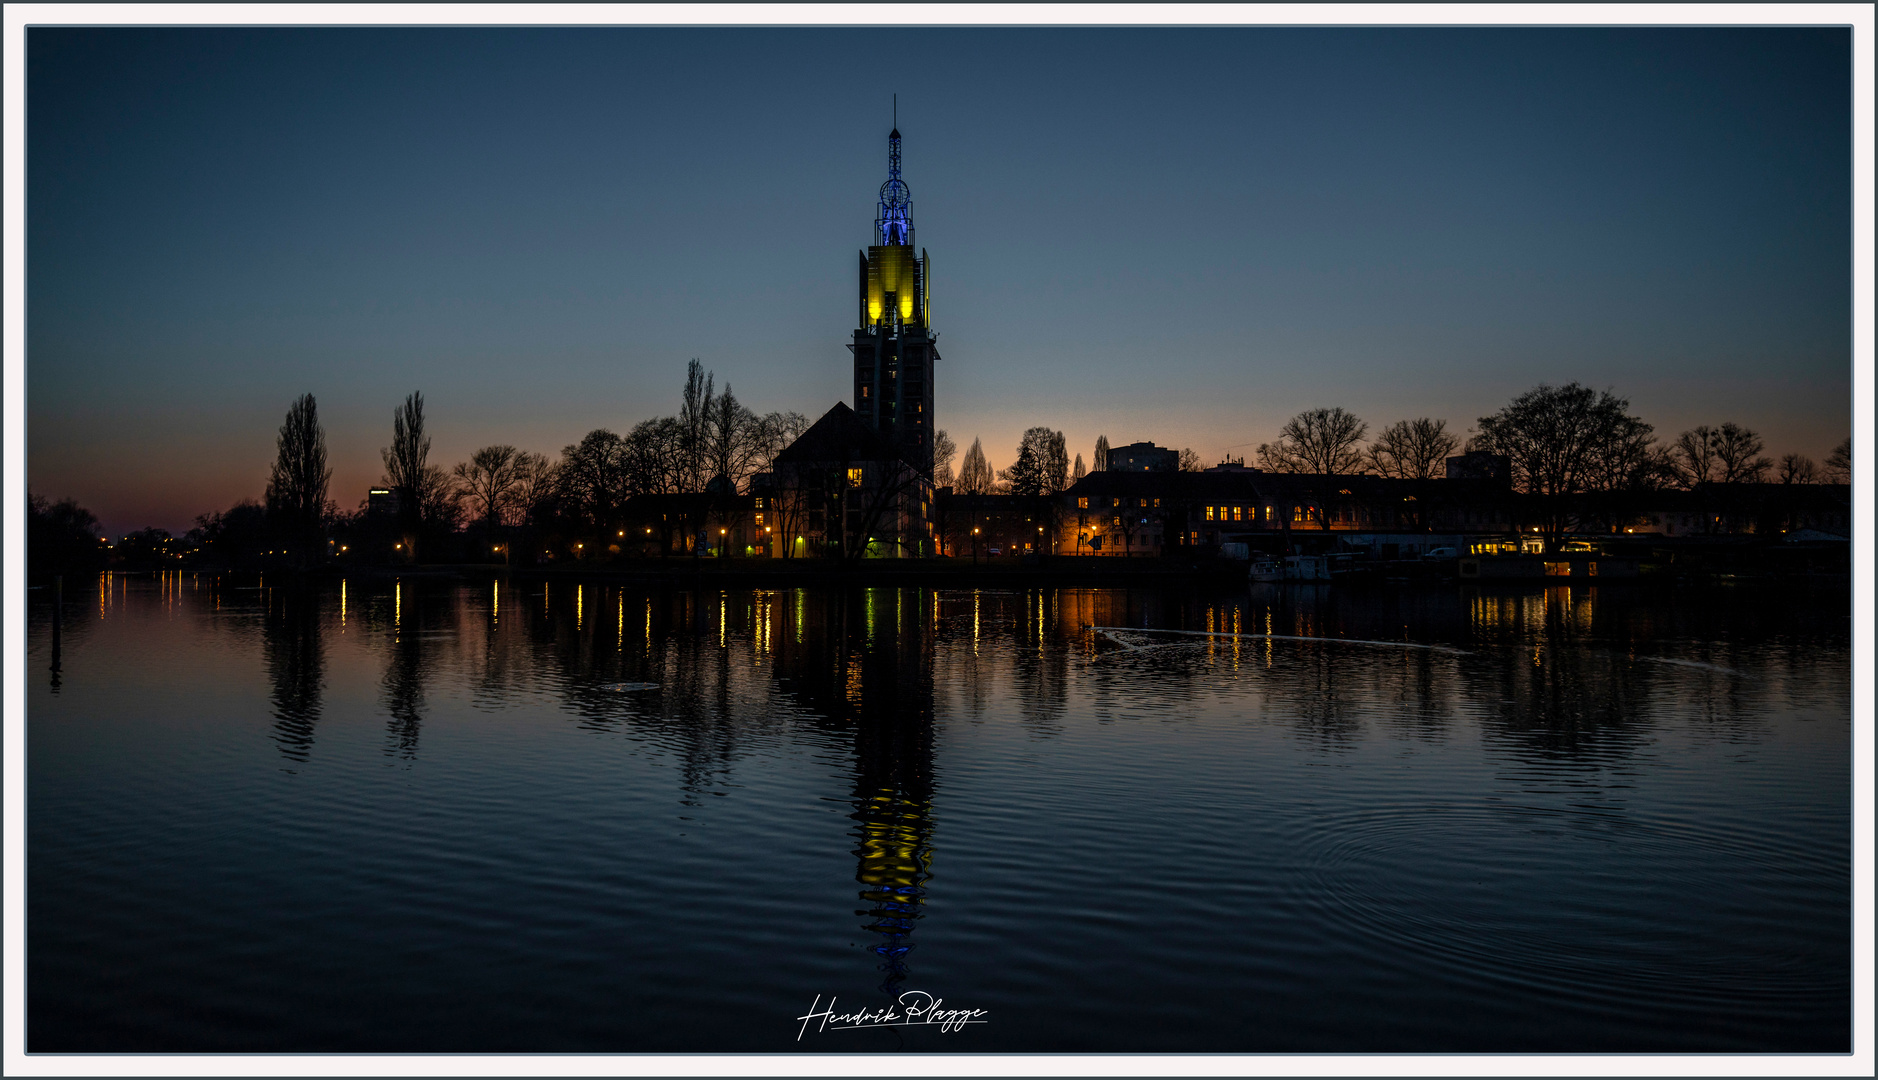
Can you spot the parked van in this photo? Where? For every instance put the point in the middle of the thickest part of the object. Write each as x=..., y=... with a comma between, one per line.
x=1441, y=553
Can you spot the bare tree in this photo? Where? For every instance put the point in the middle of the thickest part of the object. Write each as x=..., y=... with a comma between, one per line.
x=296, y=492
x=1321, y=443
x=1737, y=450
x=487, y=481
x=1694, y=452
x=1798, y=469
x=1553, y=436
x=593, y=477
x=975, y=476
x=1101, y=454
x=1838, y=467
x=655, y=457
x=1413, y=449
x=731, y=443
x=1077, y=472
x=536, y=479
x=1619, y=471
x=943, y=451
x=1190, y=461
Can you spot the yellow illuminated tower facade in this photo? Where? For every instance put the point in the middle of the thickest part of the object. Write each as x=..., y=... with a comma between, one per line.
x=893, y=348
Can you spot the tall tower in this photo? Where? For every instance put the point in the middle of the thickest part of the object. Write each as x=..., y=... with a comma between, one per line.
x=893, y=342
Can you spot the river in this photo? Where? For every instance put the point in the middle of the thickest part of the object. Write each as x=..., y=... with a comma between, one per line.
x=509, y=814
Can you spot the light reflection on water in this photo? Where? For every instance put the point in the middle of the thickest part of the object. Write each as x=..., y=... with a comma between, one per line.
x=430, y=815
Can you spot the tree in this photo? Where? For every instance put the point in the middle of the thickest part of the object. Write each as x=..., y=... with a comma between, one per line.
x=1798, y=469
x=536, y=476
x=1838, y=468
x=1321, y=443
x=1694, y=452
x=730, y=439
x=694, y=420
x=1619, y=470
x=426, y=498
x=975, y=477
x=1054, y=454
x=296, y=491
x=1413, y=449
x=1553, y=436
x=1077, y=472
x=1190, y=461
x=1042, y=465
x=234, y=536
x=593, y=477
x=62, y=537
x=488, y=482
x=1101, y=454
x=655, y=457
x=1737, y=451
x=943, y=451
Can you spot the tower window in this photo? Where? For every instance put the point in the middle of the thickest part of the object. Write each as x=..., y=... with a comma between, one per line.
x=864, y=391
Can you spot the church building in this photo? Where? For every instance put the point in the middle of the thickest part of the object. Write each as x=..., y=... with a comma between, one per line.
x=858, y=483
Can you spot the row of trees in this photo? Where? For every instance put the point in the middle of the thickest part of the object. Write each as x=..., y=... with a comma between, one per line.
x=711, y=447
x=1579, y=452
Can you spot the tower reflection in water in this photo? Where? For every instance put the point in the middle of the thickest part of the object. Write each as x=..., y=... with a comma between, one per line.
x=863, y=659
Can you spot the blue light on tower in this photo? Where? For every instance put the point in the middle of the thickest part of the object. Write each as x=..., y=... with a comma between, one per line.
x=895, y=224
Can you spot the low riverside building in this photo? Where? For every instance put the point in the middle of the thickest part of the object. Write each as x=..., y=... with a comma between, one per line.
x=1150, y=513
x=993, y=524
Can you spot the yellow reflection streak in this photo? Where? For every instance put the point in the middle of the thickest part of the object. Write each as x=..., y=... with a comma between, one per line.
x=495, y=602
x=974, y=622
x=397, y=604
x=342, y=605
x=580, y=604
x=622, y=621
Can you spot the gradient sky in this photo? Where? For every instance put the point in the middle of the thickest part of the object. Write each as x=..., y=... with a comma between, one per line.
x=1180, y=235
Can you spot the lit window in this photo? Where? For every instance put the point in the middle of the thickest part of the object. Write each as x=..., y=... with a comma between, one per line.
x=864, y=391
x=854, y=477
x=1116, y=501
x=759, y=519
x=1209, y=513
x=1237, y=511
x=1268, y=513
x=1082, y=502
x=759, y=502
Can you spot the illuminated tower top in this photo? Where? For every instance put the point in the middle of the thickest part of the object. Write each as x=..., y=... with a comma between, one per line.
x=894, y=226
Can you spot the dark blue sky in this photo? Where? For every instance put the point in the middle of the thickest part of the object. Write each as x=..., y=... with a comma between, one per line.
x=1181, y=235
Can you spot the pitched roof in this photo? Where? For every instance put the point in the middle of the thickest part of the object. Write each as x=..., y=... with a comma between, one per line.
x=839, y=435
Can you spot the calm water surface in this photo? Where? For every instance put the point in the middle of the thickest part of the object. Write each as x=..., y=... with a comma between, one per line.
x=501, y=815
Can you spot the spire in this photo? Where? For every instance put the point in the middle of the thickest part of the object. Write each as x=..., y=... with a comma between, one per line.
x=895, y=224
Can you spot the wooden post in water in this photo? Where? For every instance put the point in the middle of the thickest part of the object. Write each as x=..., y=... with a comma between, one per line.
x=58, y=614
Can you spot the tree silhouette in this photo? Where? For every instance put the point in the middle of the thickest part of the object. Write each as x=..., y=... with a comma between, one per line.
x=1838, y=468
x=488, y=481
x=296, y=491
x=426, y=498
x=1412, y=449
x=1321, y=443
x=1554, y=435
